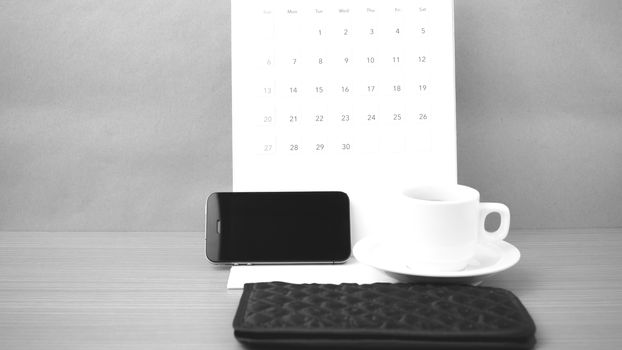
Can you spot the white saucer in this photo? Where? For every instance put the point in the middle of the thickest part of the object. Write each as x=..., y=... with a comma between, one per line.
x=490, y=258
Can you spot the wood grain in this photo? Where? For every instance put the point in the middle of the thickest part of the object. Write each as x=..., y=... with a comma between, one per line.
x=134, y=290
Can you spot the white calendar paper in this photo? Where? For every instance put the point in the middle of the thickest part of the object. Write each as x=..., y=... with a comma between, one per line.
x=356, y=96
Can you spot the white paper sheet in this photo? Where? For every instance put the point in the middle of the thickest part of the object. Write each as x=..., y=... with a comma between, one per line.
x=350, y=272
x=349, y=95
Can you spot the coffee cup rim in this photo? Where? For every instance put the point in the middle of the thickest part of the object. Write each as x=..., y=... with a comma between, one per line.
x=440, y=194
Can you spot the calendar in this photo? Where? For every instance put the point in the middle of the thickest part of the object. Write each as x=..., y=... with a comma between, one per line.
x=349, y=95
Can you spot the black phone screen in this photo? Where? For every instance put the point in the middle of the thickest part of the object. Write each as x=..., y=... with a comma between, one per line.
x=264, y=227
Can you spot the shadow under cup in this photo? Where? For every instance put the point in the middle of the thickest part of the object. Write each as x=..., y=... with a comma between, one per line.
x=441, y=226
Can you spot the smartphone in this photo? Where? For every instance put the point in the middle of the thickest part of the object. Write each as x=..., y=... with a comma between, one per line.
x=277, y=227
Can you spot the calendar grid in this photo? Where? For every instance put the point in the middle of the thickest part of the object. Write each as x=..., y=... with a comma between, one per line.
x=341, y=94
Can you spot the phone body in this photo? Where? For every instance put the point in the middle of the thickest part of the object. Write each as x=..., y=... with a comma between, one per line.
x=277, y=227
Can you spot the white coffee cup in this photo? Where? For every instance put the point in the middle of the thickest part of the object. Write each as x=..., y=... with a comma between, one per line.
x=442, y=225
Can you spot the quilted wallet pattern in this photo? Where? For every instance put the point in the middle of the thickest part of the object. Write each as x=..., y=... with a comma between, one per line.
x=382, y=315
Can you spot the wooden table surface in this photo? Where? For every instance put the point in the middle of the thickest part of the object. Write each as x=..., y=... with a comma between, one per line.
x=129, y=290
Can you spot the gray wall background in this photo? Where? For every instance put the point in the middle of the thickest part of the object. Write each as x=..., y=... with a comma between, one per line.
x=115, y=115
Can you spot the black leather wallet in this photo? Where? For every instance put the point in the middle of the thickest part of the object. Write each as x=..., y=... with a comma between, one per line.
x=382, y=315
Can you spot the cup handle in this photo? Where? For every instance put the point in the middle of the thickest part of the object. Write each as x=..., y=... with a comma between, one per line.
x=504, y=225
